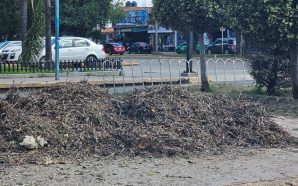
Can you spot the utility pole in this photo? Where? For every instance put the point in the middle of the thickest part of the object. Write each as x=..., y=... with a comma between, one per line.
x=156, y=36
x=222, y=29
x=57, y=59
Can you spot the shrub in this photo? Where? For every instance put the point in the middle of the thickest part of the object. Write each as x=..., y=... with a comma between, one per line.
x=270, y=71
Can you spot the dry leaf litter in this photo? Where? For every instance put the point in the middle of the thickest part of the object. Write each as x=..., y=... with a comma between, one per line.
x=78, y=120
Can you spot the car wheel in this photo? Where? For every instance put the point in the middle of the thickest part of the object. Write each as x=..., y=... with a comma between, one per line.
x=110, y=53
x=121, y=54
x=139, y=51
x=90, y=60
x=227, y=52
x=209, y=52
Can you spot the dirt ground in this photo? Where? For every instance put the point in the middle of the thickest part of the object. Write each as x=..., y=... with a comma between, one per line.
x=243, y=167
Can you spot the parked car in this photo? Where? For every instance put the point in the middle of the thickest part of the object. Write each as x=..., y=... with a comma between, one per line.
x=114, y=48
x=140, y=48
x=229, y=46
x=182, y=48
x=11, y=50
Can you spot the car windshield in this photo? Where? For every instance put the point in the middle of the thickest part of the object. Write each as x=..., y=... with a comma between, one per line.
x=15, y=44
x=3, y=44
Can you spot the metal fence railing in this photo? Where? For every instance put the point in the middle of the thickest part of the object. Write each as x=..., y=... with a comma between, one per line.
x=149, y=72
x=138, y=73
x=48, y=67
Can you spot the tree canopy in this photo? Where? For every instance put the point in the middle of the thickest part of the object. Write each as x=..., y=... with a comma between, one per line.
x=200, y=15
x=268, y=23
x=9, y=21
x=81, y=17
x=271, y=25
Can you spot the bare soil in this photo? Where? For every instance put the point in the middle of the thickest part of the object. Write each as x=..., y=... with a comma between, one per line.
x=242, y=167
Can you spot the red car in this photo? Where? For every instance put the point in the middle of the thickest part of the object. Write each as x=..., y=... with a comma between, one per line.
x=114, y=48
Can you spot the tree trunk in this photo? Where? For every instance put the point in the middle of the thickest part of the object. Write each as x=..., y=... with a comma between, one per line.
x=238, y=43
x=204, y=79
x=189, y=55
x=48, y=30
x=294, y=69
x=23, y=19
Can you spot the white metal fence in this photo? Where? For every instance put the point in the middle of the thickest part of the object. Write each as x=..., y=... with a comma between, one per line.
x=137, y=73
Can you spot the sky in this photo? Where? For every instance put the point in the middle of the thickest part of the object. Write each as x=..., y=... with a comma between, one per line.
x=142, y=3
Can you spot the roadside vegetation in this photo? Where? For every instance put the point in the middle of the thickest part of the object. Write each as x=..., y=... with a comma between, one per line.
x=279, y=104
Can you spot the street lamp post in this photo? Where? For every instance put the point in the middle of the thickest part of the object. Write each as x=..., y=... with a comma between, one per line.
x=57, y=59
x=222, y=29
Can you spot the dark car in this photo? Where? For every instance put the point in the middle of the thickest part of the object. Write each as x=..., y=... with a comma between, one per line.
x=229, y=46
x=140, y=48
x=182, y=48
x=114, y=48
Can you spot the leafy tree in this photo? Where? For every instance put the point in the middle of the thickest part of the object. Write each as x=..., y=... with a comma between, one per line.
x=116, y=12
x=197, y=15
x=9, y=19
x=269, y=24
x=82, y=17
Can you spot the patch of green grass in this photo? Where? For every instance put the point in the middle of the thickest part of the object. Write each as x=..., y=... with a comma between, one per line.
x=281, y=104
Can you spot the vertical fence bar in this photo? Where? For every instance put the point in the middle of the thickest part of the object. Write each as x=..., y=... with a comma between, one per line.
x=160, y=72
x=199, y=74
x=133, y=78
x=150, y=65
x=103, y=76
x=170, y=70
x=8, y=66
x=179, y=66
x=142, y=75
x=123, y=80
x=244, y=75
x=234, y=69
x=4, y=66
x=215, y=63
x=114, y=80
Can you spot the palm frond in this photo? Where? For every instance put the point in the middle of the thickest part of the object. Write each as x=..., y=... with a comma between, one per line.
x=33, y=42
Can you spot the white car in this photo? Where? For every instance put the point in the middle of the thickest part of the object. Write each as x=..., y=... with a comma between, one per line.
x=11, y=50
x=76, y=49
x=71, y=49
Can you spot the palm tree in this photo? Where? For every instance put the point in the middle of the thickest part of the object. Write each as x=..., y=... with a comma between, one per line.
x=32, y=44
x=48, y=30
x=23, y=19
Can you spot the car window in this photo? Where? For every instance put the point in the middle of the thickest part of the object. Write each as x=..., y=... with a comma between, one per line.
x=66, y=43
x=218, y=41
x=80, y=43
x=116, y=44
